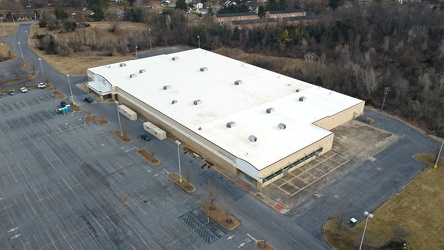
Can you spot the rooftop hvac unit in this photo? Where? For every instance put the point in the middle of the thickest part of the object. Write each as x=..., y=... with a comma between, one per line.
x=142, y=71
x=122, y=64
x=252, y=138
x=197, y=102
x=282, y=126
x=231, y=125
x=173, y=101
x=203, y=69
x=298, y=90
x=166, y=87
x=270, y=110
x=302, y=98
x=238, y=82
x=175, y=58
x=133, y=76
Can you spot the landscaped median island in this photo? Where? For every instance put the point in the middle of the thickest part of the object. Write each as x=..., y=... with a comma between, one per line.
x=263, y=245
x=149, y=157
x=221, y=216
x=96, y=119
x=186, y=186
x=58, y=95
x=75, y=108
x=411, y=217
x=122, y=136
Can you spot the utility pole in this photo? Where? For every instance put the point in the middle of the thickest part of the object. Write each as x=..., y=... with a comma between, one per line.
x=439, y=154
x=386, y=90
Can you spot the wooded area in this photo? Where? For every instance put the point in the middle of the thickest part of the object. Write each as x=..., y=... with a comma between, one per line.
x=367, y=51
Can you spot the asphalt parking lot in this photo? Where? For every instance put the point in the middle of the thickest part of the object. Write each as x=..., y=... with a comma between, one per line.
x=80, y=184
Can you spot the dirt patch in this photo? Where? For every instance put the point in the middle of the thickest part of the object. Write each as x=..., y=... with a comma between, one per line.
x=149, y=157
x=221, y=216
x=356, y=139
x=99, y=120
x=58, y=95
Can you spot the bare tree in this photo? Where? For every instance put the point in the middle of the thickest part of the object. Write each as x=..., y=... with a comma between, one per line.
x=187, y=173
x=211, y=193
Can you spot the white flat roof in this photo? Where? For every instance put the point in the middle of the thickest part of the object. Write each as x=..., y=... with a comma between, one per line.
x=222, y=101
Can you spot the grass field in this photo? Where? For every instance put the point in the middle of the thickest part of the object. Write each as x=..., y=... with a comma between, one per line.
x=77, y=63
x=414, y=215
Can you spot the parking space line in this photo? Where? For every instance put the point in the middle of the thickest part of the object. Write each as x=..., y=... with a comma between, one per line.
x=112, y=169
x=136, y=204
x=23, y=244
x=97, y=222
x=172, y=241
x=40, y=199
x=75, y=231
x=3, y=180
x=10, y=171
x=87, y=228
x=18, y=207
x=52, y=242
x=38, y=244
x=70, y=188
x=147, y=247
x=30, y=204
x=26, y=177
x=154, y=195
x=64, y=237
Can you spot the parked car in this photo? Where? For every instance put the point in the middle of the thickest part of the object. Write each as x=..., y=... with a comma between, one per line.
x=88, y=99
x=146, y=137
x=63, y=104
x=41, y=85
x=24, y=90
x=12, y=92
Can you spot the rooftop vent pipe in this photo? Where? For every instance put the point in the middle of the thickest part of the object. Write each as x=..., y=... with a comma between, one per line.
x=270, y=110
x=197, y=102
x=133, y=76
x=203, y=69
x=166, y=87
x=282, y=126
x=252, y=138
x=302, y=98
x=142, y=71
x=173, y=101
x=238, y=82
x=175, y=58
x=231, y=125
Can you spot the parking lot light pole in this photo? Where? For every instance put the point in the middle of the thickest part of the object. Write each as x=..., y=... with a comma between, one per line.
x=437, y=157
x=3, y=24
x=21, y=52
x=12, y=14
x=149, y=34
x=178, y=157
x=386, y=90
x=367, y=215
x=27, y=35
x=118, y=117
x=198, y=38
x=43, y=72
x=70, y=89
x=136, y=53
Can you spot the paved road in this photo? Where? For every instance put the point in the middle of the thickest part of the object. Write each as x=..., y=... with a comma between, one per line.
x=370, y=184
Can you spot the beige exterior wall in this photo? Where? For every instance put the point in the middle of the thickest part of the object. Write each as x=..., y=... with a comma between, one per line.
x=326, y=144
x=341, y=117
x=198, y=144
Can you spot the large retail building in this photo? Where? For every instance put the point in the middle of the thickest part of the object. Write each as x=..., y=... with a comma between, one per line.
x=248, y=120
